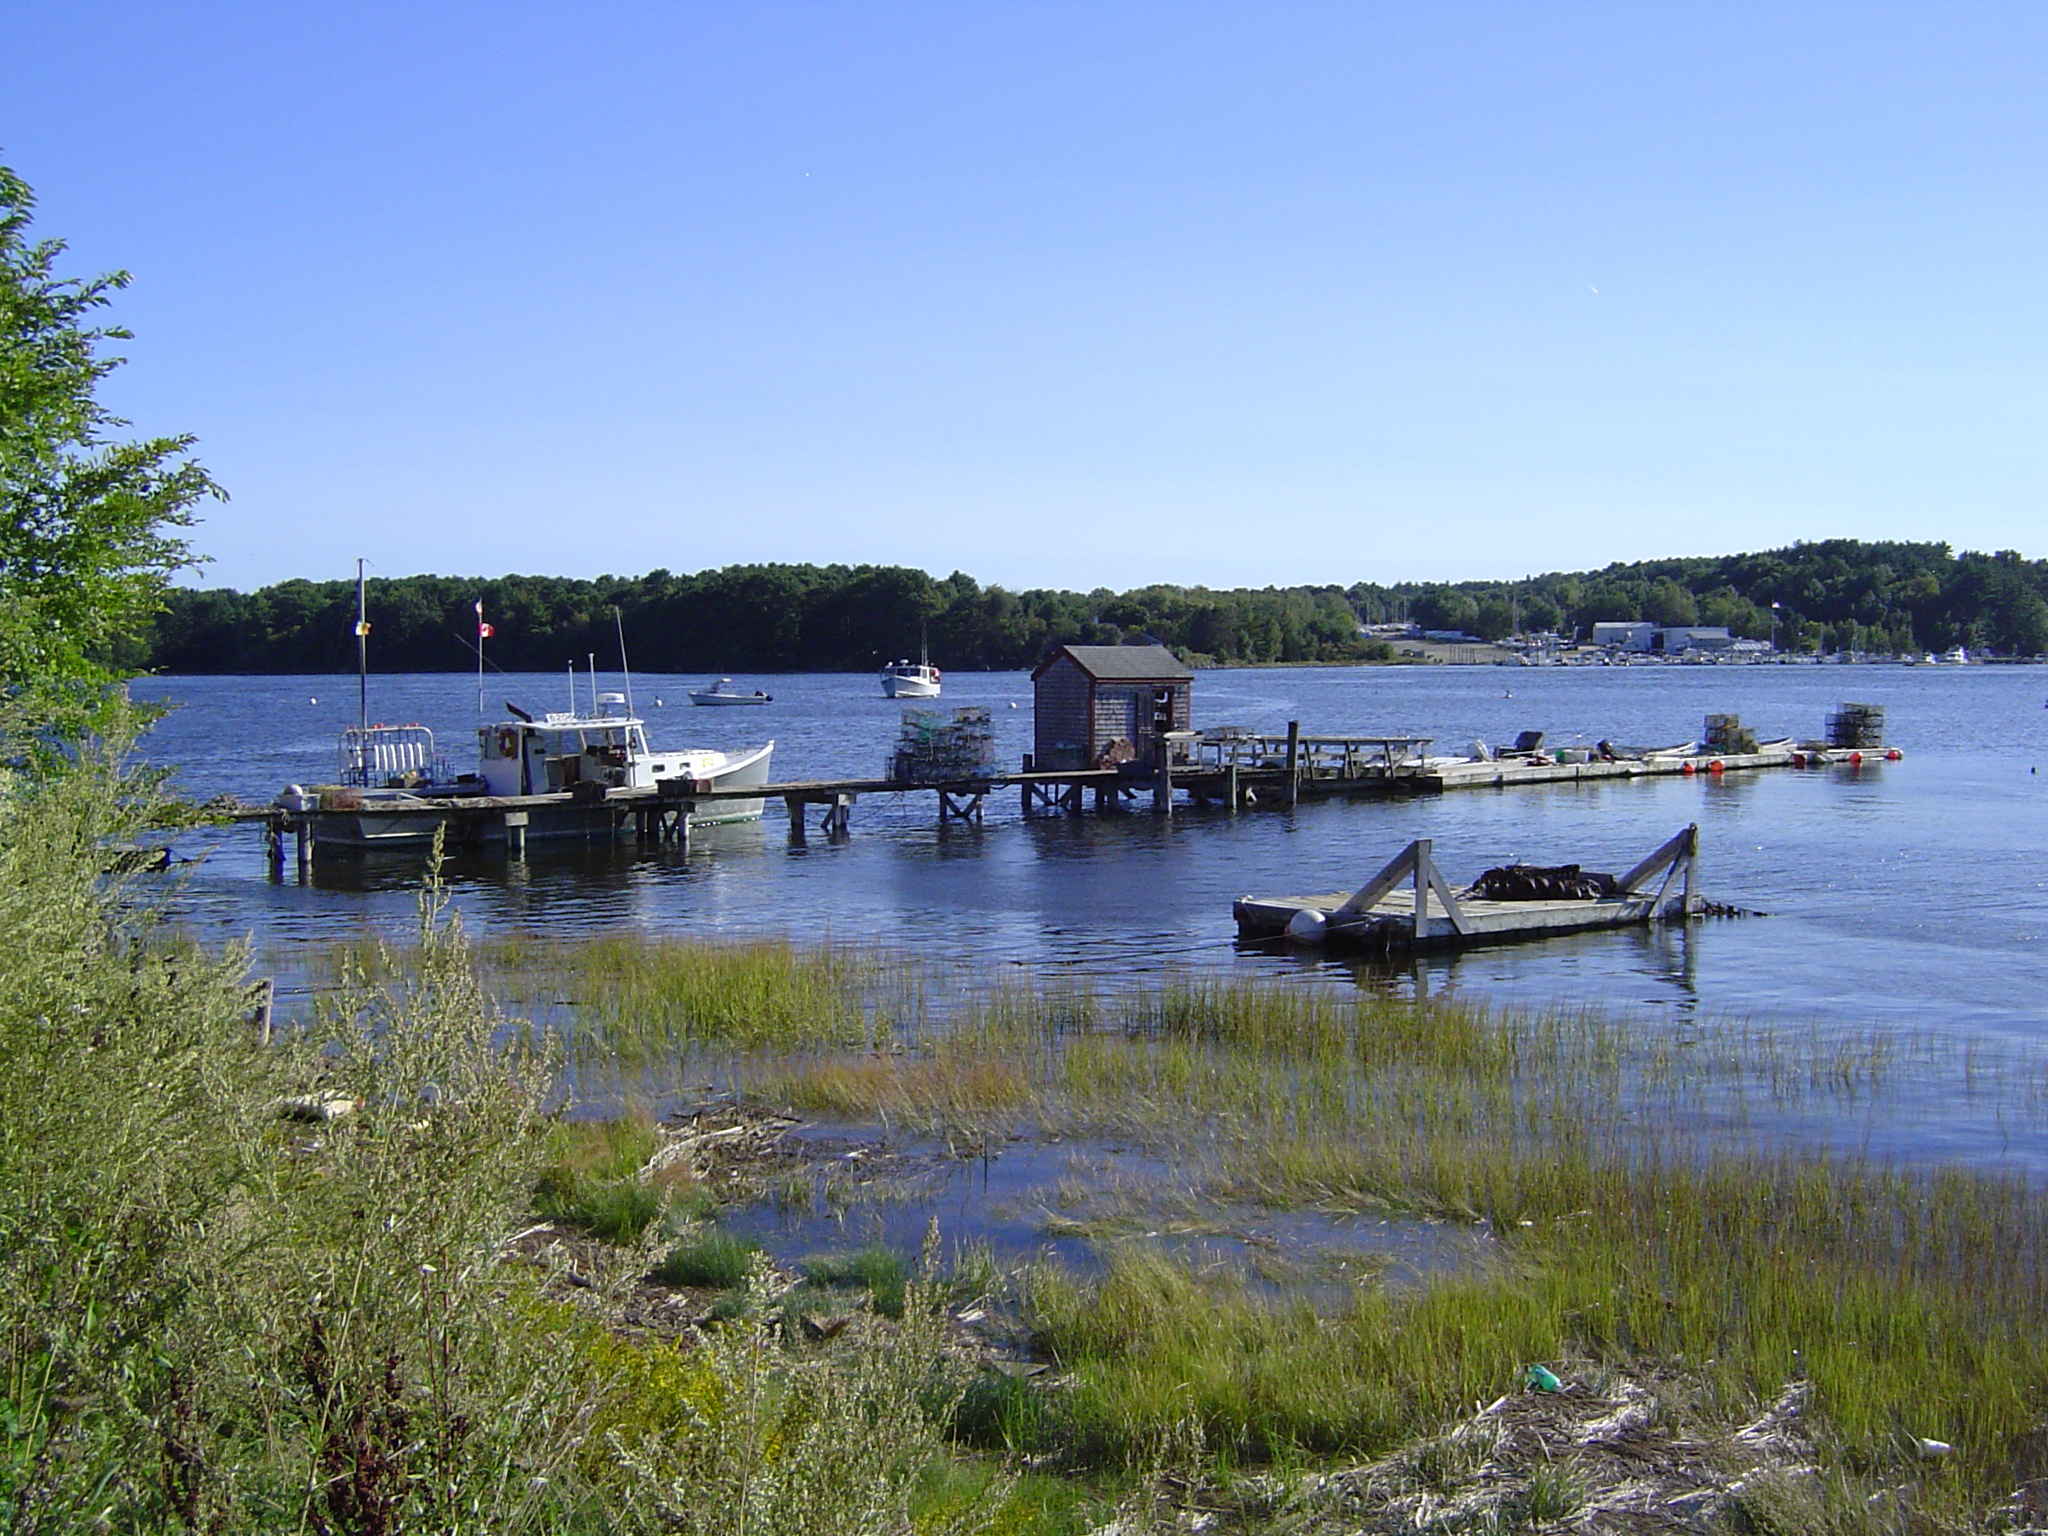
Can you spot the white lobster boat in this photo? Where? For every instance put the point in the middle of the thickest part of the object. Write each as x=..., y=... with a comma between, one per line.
x=560, y=769
x=911, y=680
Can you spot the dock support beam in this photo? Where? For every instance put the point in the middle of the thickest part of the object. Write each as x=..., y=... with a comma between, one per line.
x=836, y=823
x=305, y=828
x=515, y=833
x=960, y=805
x=1293, y=762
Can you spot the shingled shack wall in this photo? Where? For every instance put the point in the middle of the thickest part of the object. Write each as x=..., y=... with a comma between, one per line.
x=1088, y=697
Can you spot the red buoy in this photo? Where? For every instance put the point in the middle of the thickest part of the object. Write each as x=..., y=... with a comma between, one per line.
x=1715, y=766
x=1687, y=769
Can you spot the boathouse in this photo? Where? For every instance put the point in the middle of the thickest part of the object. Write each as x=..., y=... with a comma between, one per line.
x=1103, y=706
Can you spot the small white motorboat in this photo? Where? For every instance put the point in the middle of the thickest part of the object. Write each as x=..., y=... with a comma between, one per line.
x=911, y=680
x=723, y=692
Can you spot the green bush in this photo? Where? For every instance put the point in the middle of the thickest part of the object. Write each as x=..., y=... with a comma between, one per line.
x=216, y=1318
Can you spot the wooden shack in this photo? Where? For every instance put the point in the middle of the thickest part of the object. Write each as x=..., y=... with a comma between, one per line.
x=1105, y=706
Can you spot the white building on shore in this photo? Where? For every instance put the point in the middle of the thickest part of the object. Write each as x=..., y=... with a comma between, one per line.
x=1668, y=639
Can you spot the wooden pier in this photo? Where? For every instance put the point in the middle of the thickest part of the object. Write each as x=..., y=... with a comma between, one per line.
x=1233, y=769
x=1408, y=905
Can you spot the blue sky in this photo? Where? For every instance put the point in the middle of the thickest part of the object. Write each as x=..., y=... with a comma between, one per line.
x=1061, y=294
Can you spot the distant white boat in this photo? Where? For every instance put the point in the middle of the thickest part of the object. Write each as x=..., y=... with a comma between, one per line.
x=911, y=680
x=1957, y=657
x=723, y=692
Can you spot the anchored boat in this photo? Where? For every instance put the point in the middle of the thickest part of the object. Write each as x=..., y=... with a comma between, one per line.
x=917, y=679
x=723, y=692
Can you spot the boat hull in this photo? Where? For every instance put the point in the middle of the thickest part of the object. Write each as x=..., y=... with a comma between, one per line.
x=894, y=687
x=392, y=820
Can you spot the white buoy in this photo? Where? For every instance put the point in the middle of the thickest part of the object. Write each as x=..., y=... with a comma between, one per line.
x=1306, y=926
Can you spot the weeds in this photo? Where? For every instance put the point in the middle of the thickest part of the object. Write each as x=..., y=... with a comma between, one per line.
x=215, y=1319
x=593, y=1178
x=718, y=1261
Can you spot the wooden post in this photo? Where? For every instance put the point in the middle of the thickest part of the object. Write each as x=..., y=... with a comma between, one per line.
x=1293, y=753
x=796, y=817
x=515, y=833
x=305, y=829
x=266, y=997
x=1230, y=780
x=1423, y=869
x=275, y=836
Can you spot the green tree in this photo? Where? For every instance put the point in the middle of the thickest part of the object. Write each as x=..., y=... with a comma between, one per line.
x=89, y=524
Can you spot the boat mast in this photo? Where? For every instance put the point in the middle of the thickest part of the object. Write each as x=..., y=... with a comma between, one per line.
x=624, y=666
x=362, y=653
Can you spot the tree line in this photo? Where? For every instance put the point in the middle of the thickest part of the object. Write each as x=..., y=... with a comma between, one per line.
x=1841, y=594
x=744, y=618
x=1829, y=595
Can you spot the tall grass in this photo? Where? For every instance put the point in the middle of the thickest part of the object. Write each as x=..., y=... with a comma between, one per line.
x=1914, y=1308
x=1647, y=1193
x=640, y=998
x=1636, y=1202
x=216, y=1319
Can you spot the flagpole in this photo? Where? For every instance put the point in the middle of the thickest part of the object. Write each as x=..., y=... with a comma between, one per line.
x=481, y=630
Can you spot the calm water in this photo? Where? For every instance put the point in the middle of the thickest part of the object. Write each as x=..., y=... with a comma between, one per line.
x=1906, y=895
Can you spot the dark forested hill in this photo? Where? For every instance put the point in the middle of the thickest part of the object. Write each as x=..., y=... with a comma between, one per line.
x=776, y=618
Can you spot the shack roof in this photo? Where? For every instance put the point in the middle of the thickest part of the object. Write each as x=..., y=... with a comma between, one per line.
x=1121, y=663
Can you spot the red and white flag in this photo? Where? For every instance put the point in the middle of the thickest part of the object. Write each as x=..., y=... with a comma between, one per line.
x=483, y=630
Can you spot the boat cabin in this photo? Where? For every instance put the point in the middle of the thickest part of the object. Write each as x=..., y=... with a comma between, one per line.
x=567, y=748
x=1108, y=706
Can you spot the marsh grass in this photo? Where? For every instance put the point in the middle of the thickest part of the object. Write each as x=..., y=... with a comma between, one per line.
x=716, y=1260
x=593, y=1177
x=880, y=1273
x=644, y=998
x=944, y=1087
x=1642, y=1191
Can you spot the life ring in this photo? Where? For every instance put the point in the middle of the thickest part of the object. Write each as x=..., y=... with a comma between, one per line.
x=508, y=741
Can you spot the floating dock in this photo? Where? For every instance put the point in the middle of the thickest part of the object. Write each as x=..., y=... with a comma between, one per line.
x=1408, y=905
